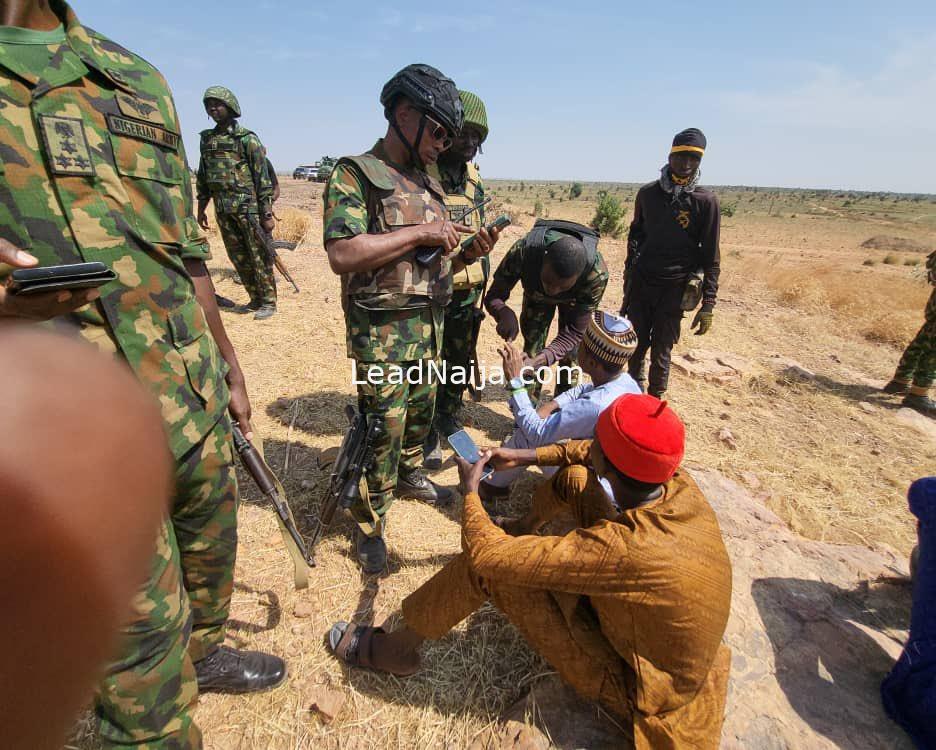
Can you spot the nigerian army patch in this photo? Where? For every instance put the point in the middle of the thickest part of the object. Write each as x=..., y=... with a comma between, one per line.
x=143, y=131
x=66, y=146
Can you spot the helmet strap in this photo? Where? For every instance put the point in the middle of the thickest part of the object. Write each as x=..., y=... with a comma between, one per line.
x=412, y=148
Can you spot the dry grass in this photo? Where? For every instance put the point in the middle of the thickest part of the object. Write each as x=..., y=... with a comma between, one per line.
x=829, y=468
x=293, y=225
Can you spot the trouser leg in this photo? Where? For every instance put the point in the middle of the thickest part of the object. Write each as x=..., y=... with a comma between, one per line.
x=205, y=523
x=640, y=314
x=667, y=322
x=238, y=251
x=400, y=441
x=561, y=628
x=918, y=363
x=458, y=346
x=535, y=320
x=147, y=698
x=262, y=287
x=420, y=401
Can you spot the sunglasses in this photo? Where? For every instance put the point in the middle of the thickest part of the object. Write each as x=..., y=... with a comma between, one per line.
x=438, y=132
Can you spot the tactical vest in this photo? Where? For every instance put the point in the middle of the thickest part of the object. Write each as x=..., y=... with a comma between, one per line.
x=396, y=200
x=456, y=204
x=535, y=244
x=227, y=170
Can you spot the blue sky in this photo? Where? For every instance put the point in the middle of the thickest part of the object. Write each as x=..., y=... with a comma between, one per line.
x=839, y=95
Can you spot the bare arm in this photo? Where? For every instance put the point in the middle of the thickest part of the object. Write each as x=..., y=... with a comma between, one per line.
x=365, y=252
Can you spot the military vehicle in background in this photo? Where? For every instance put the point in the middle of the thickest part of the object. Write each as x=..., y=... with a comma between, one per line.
x=323, y=169
x=304, y=172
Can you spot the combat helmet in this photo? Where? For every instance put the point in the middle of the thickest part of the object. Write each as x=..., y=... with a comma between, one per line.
x=224, y=95
x=429, y=90
x=475, y=112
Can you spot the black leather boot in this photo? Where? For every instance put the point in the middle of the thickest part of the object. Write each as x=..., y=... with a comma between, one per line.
x=230, y=670
x=415, y=484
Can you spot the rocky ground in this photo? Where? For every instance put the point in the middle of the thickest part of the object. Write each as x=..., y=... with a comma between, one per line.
x=805, y=461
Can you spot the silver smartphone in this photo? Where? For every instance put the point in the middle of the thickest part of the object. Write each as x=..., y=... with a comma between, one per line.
x=465, y=447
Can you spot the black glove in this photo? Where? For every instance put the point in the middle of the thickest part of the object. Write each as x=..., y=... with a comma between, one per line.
x=703, y=319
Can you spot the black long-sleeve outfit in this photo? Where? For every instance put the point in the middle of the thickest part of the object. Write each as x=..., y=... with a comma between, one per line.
x=668, y=240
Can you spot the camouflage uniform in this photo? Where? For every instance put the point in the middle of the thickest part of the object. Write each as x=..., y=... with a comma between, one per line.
x=233, y=172
x=524, y=263
x=394, y=314
x=94, y=170
x=918, y=364
x=459, y=339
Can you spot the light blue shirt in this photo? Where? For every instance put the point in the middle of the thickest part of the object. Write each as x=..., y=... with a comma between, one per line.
x=577, y=414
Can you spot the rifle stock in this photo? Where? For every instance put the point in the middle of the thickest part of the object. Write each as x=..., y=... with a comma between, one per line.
x=270, y=486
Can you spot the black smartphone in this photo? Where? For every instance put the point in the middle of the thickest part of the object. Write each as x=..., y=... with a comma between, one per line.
x=465, y=447
x=426, y=255
x=52, y=278
x=499, y=223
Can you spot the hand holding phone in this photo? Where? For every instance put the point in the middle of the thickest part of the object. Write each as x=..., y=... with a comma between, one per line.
x=465, y=447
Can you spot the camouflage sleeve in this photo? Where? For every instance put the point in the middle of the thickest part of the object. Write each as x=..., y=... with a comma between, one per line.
x=256, y=158
x=345, y=204
x=589, y=298
x=201, y=182
x=196, y=243
x=505, y=279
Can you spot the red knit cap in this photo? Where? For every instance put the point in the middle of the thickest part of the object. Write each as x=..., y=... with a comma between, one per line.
x=642, y=437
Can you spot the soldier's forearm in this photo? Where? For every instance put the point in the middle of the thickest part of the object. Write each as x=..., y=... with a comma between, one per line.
x=365, y=252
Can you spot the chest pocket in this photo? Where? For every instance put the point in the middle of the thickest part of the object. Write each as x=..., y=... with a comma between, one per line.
x=404, y=209
x=221, y=163
x=153, y=176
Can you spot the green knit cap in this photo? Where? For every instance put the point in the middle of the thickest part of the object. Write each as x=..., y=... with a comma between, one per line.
x=224, y=95
x=475, y=113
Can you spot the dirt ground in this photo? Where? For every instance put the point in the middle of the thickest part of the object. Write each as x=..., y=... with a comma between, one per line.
x=795, y=282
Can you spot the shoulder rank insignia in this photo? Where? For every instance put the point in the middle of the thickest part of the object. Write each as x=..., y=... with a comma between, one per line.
x=139, y=109
x=66, y=146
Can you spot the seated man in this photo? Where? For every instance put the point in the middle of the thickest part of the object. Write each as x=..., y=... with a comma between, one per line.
x=606, y=346
x=629, y=609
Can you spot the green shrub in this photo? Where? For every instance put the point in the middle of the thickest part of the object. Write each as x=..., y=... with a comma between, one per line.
x=538, y=208
x=576, y=190
x=890, y=260
x=727, y=209
x=609, y=215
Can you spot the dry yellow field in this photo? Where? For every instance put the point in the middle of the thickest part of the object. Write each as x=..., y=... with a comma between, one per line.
x=794, y=282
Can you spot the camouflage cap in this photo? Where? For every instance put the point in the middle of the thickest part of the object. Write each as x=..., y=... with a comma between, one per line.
x=475, y=112
x=224, y=95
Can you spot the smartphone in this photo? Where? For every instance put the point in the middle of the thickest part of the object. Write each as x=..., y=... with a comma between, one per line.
x=426, y=255
x=465, y=447
x=52, y=278
x=499, y=223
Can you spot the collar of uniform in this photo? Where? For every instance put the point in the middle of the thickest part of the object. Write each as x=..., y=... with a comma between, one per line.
x=456, y=179
x=431, y=183
x=63, y=68
x=97, y=53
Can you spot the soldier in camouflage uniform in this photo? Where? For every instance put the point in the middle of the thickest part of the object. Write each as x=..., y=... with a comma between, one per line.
x=233, y=171
x=559, y=267
x=463, y=188
x=916, y=371
x=382, y=211
x=94, y=170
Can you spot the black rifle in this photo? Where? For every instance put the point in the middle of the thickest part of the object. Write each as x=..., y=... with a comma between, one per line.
x=271, y=487
x=271, y=245
x=354, y=458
